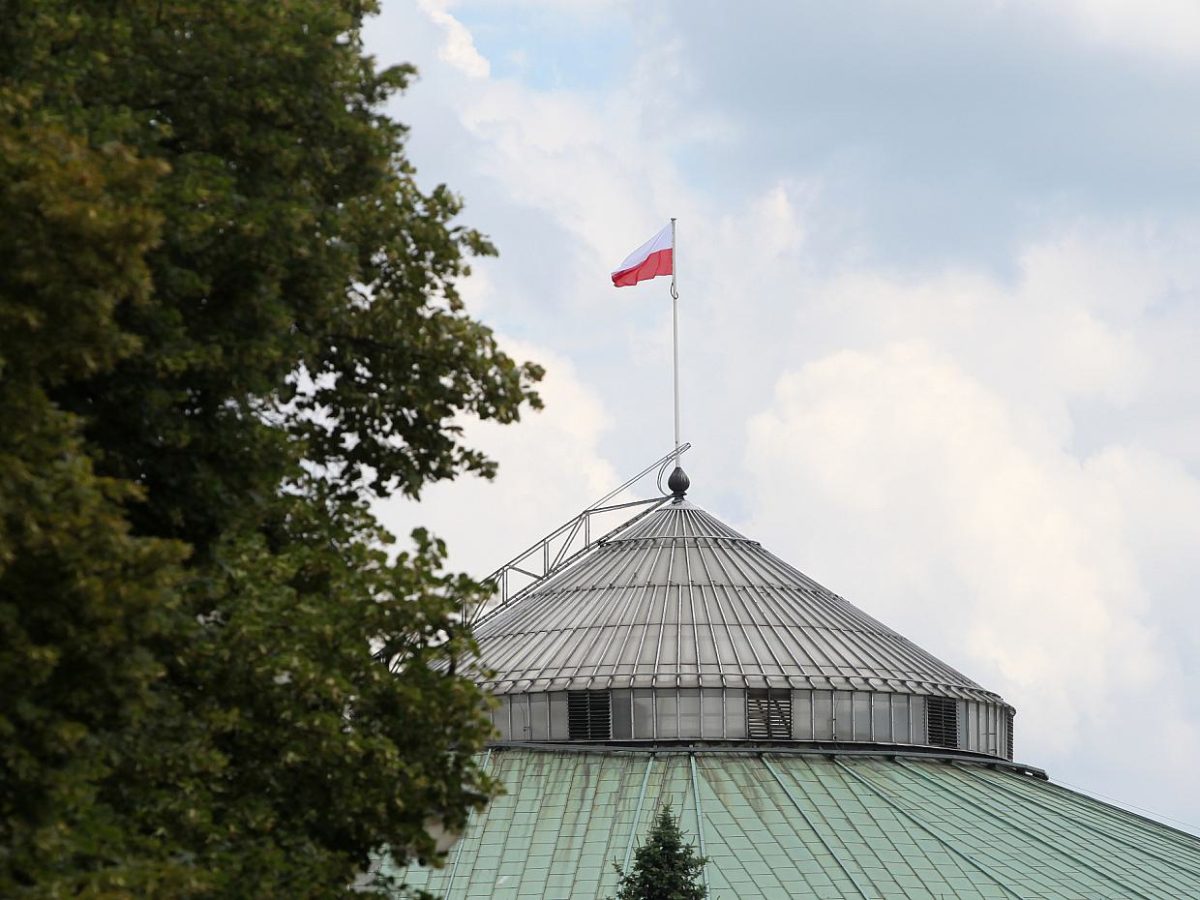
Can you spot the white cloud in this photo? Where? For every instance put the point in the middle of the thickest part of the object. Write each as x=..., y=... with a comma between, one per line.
x=1160, y=27
x=458, y=47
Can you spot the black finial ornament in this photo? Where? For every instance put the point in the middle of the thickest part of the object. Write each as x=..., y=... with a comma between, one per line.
x=679, y=482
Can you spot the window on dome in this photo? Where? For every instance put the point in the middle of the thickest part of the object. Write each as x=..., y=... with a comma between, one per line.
x=901, y=719
x=941, y=716
x=643, y=714
x=769, y=714
x=843, y=719
x=589, y=716
x=735, y=714
x=689, y=712
x=622, y=714
x=860, y=705
x=518, y=705
x=881, y=717
x=1008, y=734
x=712, y=707
x=802, y=715
x=823, y=716
x=539, y=717
x=667, y=714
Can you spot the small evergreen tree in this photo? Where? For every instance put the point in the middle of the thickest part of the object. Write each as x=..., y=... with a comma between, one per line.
x=665, y=868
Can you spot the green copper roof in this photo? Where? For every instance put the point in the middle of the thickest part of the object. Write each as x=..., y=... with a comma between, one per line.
x=801, y=825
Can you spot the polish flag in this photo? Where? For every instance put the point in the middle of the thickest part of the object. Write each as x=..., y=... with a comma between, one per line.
x=655, y=257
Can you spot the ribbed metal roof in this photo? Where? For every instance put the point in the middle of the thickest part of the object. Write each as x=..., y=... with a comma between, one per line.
x=681, y=599
x=803, y=825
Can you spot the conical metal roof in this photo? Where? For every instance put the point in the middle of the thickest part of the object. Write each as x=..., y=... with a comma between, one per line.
x=680, y=599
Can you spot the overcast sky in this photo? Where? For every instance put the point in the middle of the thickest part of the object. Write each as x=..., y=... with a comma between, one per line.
x=939, y=267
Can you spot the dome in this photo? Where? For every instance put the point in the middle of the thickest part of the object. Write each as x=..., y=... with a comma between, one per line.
x=808, y=750
x=681, y=628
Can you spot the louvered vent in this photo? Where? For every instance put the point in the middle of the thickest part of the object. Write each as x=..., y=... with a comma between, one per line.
x=589, y=716
x=1008, y=736
x=769, y=714
x=941, y=715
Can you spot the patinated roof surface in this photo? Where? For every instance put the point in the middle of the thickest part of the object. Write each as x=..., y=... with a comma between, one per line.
x=787, y=825
x=681, y=599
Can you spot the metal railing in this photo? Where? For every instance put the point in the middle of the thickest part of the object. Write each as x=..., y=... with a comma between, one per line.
x=567, y=543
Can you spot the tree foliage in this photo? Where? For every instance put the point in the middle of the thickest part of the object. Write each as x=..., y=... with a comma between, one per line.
x=228, y=319
x=665, y=868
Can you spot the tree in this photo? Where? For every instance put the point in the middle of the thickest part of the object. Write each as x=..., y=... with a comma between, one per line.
x=665, y=868
x=228, y=320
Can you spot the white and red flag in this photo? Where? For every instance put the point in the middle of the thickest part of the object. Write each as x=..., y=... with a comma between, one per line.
x=653, y=258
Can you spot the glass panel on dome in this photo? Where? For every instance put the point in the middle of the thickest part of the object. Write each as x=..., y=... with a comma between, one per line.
x=823, y=716
x=712, y=713
x=593, y=651
x=802, y=715
x=643, y=715
x=687, y=645
x=539, y=717
x=706, y=649
x=861, y=704
x=725, y=647
x=667, y=650
x=658, y=574
x=842, y=717
x=667, y=714
x=916, y=716
x=519, y=705
x=649, y=650
x=901, y=724
x=689, y=712
x=741, y=645
x=881, y=717
x=558, y=716
x=622, y=714
x=621, y=659
x=671, y=607
x=654, y=613
x=735, y=713
x=500, y=719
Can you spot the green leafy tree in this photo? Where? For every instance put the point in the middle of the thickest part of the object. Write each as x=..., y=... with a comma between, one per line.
x=228, y=321
x=665, y=868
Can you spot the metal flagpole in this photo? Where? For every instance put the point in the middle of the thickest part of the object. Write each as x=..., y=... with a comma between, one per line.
x=675, y=331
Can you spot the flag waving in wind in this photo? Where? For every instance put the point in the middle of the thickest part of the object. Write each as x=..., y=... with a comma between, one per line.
x=655, y=257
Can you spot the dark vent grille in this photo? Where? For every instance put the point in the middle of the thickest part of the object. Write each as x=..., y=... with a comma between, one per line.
x=769, y=714
x=1008, y=736
x=941, y=715
x=589, y=716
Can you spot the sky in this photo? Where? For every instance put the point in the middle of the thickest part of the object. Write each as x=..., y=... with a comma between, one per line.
x=939, y=275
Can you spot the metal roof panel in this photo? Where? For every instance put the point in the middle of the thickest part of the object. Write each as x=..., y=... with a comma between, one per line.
x=804, y=825
x=682, y=598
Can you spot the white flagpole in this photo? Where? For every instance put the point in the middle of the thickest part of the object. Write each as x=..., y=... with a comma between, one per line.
x=675, y=331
